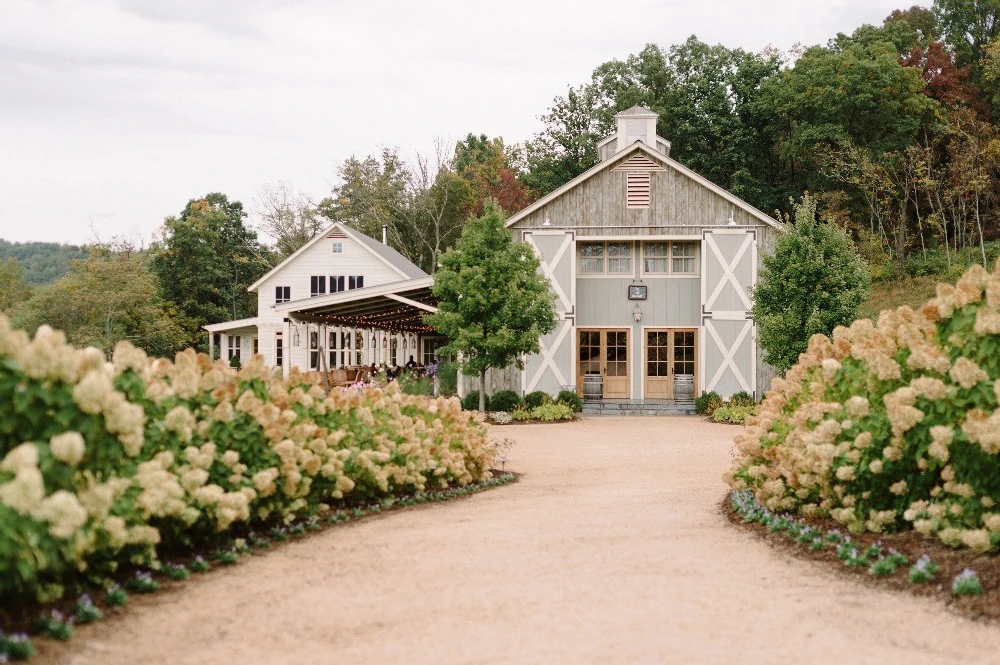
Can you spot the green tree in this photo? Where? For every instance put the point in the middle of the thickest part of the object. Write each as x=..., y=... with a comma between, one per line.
x=706, y=97
x=424, y=204
x=812, y=282
x=854, y=90
x=111, y=296
x=205, y=260
x=13, y=289
x=43, y=262
x=968, y=26
x=488, y=166
x=494, y=305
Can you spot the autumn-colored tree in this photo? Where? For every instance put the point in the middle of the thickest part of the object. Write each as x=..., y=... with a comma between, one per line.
x=944, y=80
x=487, y=165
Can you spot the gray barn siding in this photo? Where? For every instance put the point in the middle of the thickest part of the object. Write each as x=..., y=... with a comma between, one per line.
x=679, y=206
x=604, y=303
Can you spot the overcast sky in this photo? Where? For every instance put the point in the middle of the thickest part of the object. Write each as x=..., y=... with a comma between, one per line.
x=113, y=113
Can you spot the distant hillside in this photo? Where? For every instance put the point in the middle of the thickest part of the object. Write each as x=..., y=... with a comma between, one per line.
x=43, y=262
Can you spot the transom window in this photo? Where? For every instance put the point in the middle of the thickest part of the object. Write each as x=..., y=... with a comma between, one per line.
x=605, y=258
x=670, y=258
x=282, y=294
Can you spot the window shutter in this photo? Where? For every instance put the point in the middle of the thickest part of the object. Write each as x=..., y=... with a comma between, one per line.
x=637, y=189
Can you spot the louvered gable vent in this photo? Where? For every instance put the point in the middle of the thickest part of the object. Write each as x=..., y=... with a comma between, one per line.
x=637, y=189
x=638, y=162
x=337, y=233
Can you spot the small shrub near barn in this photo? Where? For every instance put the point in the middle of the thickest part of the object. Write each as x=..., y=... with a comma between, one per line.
x=503, y=400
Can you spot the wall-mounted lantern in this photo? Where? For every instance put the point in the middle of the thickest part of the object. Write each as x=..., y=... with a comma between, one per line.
x=637, y=313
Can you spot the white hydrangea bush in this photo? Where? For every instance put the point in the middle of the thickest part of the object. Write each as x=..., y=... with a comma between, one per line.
x=102, y=462
x=890, y=425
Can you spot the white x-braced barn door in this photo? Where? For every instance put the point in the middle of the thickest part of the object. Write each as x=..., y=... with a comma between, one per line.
x=553, y=366
x=728, y=273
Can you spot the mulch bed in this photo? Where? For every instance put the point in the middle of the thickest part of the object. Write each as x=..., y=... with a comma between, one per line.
x=911, y=544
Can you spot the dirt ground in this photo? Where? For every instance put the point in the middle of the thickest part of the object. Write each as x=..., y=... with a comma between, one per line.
x=611, y=549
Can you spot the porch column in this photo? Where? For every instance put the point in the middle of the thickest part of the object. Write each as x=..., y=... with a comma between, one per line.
x=211, y=351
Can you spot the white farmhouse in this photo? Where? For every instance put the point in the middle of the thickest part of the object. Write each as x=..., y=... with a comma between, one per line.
x=293, y=327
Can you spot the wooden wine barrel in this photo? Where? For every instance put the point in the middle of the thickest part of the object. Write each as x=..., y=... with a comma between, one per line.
x=593, y=387
x=684, y=387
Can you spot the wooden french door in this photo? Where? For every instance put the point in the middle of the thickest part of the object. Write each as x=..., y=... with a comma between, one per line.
x=668, y=353
x=604, y=352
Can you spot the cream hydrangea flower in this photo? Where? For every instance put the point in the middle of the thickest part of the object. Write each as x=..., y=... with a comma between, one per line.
x=966, y=373
x=68, y=447
x=941, y=438
x=91, y=392
x=25, y=491
x=24, y=456
x=64, y=513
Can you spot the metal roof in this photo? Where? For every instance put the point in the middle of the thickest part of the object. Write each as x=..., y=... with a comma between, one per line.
x=397, y=307
x=398, y=261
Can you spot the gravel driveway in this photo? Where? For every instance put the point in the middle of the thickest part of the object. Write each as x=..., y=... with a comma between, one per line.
x=610, y=549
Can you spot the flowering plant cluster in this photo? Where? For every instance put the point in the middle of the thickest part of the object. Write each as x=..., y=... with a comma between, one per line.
x=890, y=425
x=102, y=462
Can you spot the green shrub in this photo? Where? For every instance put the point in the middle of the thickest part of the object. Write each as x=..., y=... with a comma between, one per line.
x=537, y=398
x=504, y=400
x=892, y=425
x=708, y=402
x=520, y=414
x=413, y=384
x=471, y=401
x=811, y=283
x=447, y=374
x=742, y=398
x=104, y=464
x=570, y=399
x=734, y=414
x=234, y=362
x=552, y=411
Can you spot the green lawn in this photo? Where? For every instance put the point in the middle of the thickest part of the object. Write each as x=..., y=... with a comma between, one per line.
x=912, y=291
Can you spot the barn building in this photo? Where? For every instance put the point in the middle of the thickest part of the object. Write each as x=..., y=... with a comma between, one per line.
x=652, y=266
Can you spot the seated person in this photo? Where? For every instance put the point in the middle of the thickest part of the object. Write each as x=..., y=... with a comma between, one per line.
x=411, y=363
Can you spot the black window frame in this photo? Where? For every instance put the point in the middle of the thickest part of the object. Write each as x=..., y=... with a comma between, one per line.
x=317, y=281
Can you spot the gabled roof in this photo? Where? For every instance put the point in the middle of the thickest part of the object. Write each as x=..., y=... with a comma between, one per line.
x=666, y=161
x=387, y=255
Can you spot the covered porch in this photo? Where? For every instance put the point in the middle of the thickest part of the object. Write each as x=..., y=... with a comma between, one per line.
x=362, y=328
x=238, y=338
